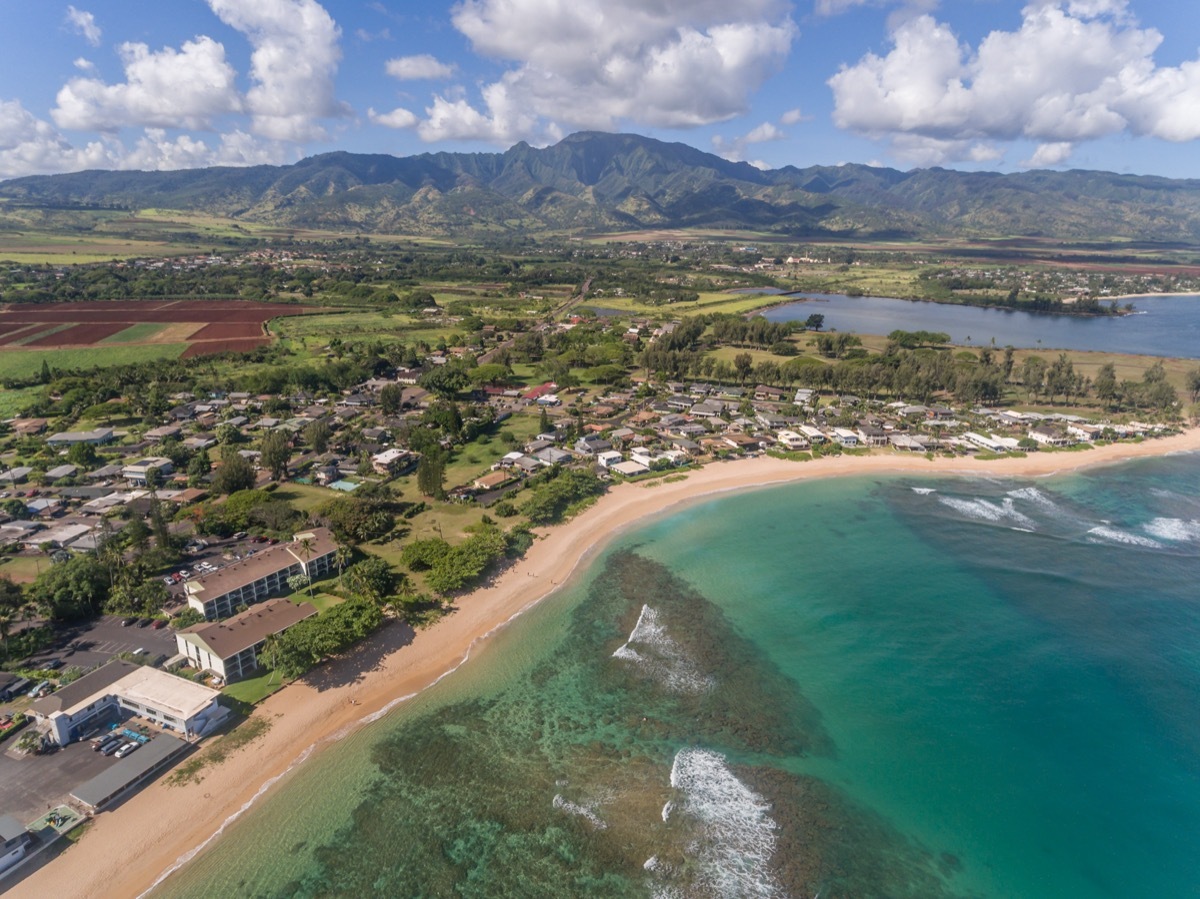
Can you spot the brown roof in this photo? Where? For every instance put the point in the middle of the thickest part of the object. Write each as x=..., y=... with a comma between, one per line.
x=261, y=564
x=249, y=628
x=92, y=682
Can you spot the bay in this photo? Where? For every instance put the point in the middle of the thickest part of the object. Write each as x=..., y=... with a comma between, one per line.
x=892, y=686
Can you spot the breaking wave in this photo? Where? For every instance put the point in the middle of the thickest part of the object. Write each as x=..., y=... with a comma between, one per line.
x=1175, y=529
x=1116, y=535
x=651, y=647
x=984, y=510
x=738, y=836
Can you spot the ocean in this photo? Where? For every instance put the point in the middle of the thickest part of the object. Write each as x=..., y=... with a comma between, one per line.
x=900, y=686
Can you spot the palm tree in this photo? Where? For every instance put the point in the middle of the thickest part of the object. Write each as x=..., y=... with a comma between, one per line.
x=341, y=557
x=270, y=652
x=306, y=550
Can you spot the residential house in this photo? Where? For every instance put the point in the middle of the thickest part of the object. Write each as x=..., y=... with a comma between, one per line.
x=137, y=472
x=70, y=438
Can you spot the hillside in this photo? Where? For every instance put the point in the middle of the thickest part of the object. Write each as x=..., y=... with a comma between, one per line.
x=602, y=182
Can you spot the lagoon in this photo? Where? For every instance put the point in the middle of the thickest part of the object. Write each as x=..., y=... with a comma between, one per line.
x=1162, y=326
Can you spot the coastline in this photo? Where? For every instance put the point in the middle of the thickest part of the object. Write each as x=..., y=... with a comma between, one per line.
x=129, y=849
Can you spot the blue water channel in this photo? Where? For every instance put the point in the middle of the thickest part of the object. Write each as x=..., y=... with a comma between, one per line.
x=1161, y=326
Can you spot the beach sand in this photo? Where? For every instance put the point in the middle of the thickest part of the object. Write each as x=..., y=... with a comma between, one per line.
x=132, y=847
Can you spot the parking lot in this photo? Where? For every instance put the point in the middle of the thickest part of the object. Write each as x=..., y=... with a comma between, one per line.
x=31, y=784
x=93, y=642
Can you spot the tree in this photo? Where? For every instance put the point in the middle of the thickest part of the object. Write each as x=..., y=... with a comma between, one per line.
x=391, y=399
x=276, y=451
x=74, y=588
x=82, y=454
x=1106, y=384
x=199, y=467
x=743, y=364
x=318, y=434
x=1192, y=383
x=342, y=557
x=431, y=474
x=371, y=579
x=236, y=473
x=814, y=322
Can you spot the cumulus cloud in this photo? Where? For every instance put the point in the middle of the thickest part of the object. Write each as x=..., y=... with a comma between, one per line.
x=735, y=150
x=1074, y=70
x=29, y=145
x=598, y=63
x=792, y=117
x=1049, y=155
x=417, y=68
x=84, y=23
x=296, y=54
x=184, y=88
x=397, y=118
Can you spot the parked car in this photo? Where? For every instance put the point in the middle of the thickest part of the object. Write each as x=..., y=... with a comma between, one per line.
x=142, y=622
x=125, y=622
x=112, y=747
x=158, y=624
x=53, y=664
x=169, y=581
x=131, y=746
x=101, y=743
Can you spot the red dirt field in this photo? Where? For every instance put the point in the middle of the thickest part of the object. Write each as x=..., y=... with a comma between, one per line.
x=17, y=330
x=228, y=331
x=226, y=325
x=134, y=312
x=80, y=335
x=209, y=347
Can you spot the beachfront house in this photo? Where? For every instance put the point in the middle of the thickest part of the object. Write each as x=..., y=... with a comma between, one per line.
x=231, y=648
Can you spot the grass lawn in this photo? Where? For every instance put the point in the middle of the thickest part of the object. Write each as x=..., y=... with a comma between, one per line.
x=320, y=600
x=305, y=497
x=255, y=689
x=22, y=569
x=25, y=363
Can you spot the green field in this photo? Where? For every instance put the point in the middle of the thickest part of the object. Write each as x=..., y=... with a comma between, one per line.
x=137, y=333
x=25, y=363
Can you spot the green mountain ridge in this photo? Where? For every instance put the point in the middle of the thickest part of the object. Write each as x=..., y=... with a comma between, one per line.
x=595, y=182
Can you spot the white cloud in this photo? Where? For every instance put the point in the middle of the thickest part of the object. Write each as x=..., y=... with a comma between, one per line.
x=1049, y=155
x=84, y=23
x=422, y=67
x=599, y=63
x=397, y=118
x=792, y=117
x=1073, y=71
x=735, y=150
x=183, y=88
x=296, y=54
x=84, y=65
x=29, y=145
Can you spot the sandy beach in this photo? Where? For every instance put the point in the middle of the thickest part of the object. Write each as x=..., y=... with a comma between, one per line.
x=133, y=847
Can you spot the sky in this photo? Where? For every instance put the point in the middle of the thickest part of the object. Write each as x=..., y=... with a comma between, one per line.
x=968, y=84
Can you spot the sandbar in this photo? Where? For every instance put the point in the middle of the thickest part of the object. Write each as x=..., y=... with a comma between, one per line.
x=133, y=847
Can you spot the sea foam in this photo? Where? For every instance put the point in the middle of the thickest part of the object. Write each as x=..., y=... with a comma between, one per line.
x=581, y=811
x=1116, y=535
x=739, y=836
x=1175, y=529
x=650, y=647
x=984, y=510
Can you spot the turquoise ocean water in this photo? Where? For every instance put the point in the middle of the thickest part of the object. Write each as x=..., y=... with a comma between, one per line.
x=862, y=687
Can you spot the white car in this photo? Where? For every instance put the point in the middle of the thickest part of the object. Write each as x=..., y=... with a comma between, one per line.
x=131, y=746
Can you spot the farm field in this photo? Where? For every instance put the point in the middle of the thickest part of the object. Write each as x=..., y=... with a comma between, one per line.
x=84, y=334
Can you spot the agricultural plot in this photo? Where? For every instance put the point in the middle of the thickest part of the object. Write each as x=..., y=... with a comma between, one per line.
x=65, y=333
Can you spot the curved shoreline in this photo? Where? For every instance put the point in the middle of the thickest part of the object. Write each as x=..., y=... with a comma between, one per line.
x=146, y=838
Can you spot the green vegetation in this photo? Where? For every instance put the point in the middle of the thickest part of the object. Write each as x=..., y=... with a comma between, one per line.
x=25, y=363
x=136, y=333
x=216, y=751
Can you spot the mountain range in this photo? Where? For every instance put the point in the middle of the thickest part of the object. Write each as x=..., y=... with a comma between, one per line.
x=594, y=182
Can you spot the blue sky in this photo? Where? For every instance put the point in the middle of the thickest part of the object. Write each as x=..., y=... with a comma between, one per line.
x=972, y=84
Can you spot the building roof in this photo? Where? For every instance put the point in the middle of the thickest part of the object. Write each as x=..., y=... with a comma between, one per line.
x=146, y=686
x=10, y=828
x=89, y=685
x=127, y=771
x=246, y=629
x=261, y=564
